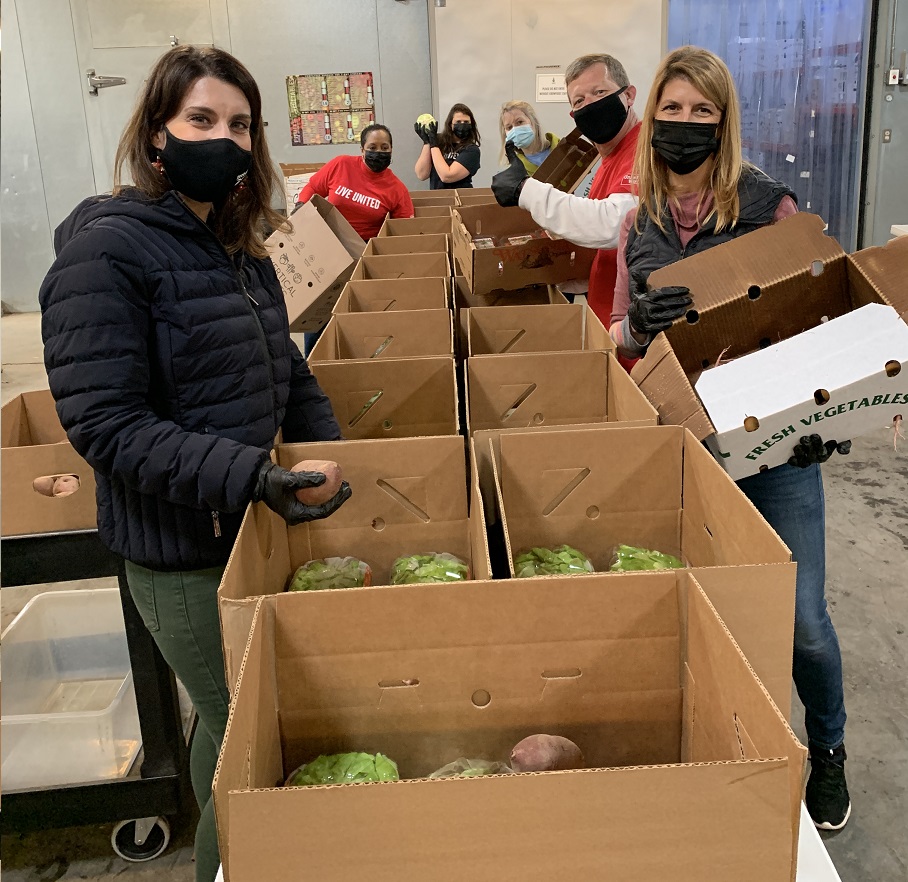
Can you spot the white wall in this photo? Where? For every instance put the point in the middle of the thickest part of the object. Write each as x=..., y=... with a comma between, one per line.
x=486, y=52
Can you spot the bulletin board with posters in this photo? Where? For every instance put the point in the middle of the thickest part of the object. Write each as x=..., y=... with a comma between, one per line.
x=329, y=108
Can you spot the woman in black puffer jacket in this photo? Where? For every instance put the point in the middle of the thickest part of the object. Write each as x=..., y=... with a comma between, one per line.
x=169, y=355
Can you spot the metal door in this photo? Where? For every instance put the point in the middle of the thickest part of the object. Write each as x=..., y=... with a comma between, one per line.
x=120, y=40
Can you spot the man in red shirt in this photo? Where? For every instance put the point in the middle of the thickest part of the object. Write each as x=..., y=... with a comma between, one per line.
x=602, y=100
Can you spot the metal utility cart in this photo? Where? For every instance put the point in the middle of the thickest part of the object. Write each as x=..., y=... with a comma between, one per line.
x=141, y=801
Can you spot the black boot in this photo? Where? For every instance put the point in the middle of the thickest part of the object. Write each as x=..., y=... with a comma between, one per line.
x=827, y=793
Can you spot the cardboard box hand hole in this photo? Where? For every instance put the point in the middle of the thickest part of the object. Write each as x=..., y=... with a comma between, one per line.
x=56, y=486
x=893, y=368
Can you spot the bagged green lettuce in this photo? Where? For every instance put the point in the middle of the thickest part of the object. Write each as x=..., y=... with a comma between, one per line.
x=344, y=768
x=629, y=558
x=475, y=768
x=330, y=573
x=559, y=561
x=417, y=568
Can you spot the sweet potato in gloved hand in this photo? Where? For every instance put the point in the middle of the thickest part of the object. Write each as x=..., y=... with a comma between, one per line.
x=507, y=184
x=277, y=487
x=654, y=310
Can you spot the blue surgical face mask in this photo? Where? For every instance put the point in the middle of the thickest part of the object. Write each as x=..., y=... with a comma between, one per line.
x=521, y=136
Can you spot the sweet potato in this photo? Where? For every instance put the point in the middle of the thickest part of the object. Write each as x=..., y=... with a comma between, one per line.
x=546, y=753
x=44, y=485
x=318, y=495
x=66, y=485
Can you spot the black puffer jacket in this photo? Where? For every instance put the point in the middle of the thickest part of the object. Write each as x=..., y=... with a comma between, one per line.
x=173, y=369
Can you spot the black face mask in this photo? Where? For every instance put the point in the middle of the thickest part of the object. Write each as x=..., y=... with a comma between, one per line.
x=462, y=130
x=684, y=146
x=602, y=120
x=206, y=171
x=377, y=160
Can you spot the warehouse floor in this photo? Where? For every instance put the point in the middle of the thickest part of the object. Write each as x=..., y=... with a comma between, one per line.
x=867, y=529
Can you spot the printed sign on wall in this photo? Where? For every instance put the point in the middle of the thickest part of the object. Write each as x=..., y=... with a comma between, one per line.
x=329, y=108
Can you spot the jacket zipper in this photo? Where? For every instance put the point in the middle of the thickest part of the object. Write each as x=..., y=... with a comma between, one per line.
x=216, y=522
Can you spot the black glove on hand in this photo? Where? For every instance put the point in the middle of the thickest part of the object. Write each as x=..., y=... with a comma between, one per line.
x=653, y=311
x=507, y=184
x=812, y=450
x=277, y=487
x=420, y=130
x=432, y=134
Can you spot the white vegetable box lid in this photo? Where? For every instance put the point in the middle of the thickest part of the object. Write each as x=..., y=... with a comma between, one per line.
x=839, y=380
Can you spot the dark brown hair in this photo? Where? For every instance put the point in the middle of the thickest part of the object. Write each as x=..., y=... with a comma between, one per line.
x=445, y=139
x=242, y=221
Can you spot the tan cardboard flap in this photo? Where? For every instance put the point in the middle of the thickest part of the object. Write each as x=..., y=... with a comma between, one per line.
x=726, y=687
x=416, y=226
x=626, y=403
x=394, y=398
x=437, y=242
x=479, y=540
x=568, y=163
x=431, y=211
x=385, y=335
x=883, y=268
x=537, y=389
x=432, y=197
x=382, y=295
x=43, y=423
x=494, y=330
x=403, y=266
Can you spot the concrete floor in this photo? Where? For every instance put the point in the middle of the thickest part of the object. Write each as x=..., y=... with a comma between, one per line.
x=867, y=531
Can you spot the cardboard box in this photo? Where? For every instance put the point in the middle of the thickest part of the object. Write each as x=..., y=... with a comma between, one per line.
x=551, y=389
x=531, y=295
x=403, y=266
x=393, y=398
x=541, y=260
x=416, y=226
x=832, y=373
x=34, y=446
x=431, y=210
x=757, y=291
x=693, y=772
x=386, y=335
x=313, y=262
x=510, y=329
x=381, y=295
x=569, y=163
x=409, y=496
x=431, y=242
x=474, y=196
x=432, y=197
x=296, y=175
x=652, y=487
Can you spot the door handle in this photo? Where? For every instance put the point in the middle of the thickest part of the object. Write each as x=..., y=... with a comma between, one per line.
x=96, y=82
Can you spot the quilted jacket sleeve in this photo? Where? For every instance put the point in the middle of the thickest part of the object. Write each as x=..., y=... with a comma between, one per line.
x=310, y=416
x=95, y=302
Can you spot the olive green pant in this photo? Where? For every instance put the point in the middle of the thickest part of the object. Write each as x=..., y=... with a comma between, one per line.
x=181, y=612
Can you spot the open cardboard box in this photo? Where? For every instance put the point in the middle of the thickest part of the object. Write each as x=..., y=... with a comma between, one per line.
x=693, y=772
x=758, y=291
x=383, y=295
x=437, y=242
x=296, y=175
x=495, y=330
x=568, y=163
x=551, y=389
x=432, y=210
x=409, y=496
x=416, y=226
x=385, y=335
x=391, y=398
x=35, y=446
x=476, y=196
x=403, y=266
x=433, y=197
x=541, y=260
x=313, y=262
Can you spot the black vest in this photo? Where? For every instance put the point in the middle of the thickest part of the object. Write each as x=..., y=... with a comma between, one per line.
x=759, y=196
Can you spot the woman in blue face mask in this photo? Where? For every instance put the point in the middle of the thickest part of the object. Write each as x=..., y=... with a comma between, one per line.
x=168, y=353
x=519, y=126
x=697, y=191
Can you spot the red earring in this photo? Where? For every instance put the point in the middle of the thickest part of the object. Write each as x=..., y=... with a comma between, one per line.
x=159, y=165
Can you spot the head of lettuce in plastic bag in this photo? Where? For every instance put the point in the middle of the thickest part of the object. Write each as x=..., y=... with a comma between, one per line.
x=344, y=768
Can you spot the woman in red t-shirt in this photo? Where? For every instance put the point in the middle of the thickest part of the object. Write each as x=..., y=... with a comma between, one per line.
x=362, y=188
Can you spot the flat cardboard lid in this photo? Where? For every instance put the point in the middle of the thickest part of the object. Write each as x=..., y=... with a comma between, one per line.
x=885, y=268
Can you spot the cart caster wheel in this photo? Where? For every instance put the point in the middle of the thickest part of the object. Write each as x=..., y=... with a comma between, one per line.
x=141, y=840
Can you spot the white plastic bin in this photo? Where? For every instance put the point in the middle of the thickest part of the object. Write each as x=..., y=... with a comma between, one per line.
x=69, y=706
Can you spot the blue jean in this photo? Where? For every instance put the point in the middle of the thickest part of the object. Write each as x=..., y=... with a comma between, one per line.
x=309, y=341
x=792, y=501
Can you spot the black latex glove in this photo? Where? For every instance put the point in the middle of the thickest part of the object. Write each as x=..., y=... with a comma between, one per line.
x=420, y=130
x=813, y=450
x=507, y=184
x=652, y=311
x=432, y=134
x=277, y=487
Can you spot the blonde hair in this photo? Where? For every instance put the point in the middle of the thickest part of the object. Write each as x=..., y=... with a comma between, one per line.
x=709, y=75
x=540, y=142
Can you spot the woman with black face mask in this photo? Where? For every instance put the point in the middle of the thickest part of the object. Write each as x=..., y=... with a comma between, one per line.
x=449, y=158
x=169, y=355
x=696, y=191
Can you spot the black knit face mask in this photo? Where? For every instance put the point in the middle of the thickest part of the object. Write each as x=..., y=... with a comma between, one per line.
x=684, y=146
x=206, y=171
x=601, y=120
x=377, y=160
